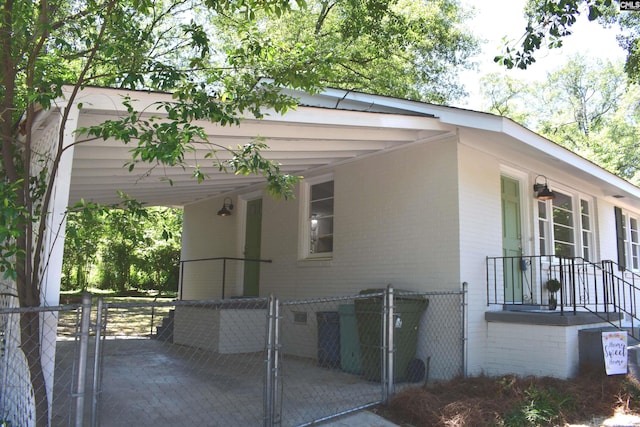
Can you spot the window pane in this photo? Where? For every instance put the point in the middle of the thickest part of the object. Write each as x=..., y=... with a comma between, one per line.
x=563, y=234
x=584, y=207
x=321, y=221
x=542, y=210
x=322, y=208
x=562, y=201
x=323, y=190
x=563, y=217
x=543, y=239
x=562, y=249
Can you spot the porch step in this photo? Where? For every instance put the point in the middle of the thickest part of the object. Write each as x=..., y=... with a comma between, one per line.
x=524, y=307
x=164, y=332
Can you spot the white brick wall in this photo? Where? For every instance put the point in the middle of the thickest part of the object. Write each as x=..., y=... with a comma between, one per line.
x=207, y=235
x=223, y=330
x=423, y=218
x=395, y=222
x=533, y=349
x=480, y=236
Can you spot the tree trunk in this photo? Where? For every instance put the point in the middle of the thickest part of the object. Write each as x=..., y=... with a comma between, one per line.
x=30, y=338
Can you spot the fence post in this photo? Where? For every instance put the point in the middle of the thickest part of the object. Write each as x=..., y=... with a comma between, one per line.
x=96, y=389
x=388, y=346
x=81, y=372
x=275, y=411
x=268, y=379
x=463, y=326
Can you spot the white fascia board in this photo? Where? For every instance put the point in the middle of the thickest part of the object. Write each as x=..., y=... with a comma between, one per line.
x=565, y=155
x=110, y=101
x=329, y=117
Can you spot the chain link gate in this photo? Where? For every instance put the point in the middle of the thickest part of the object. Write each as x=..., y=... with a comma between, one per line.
x=231, y=362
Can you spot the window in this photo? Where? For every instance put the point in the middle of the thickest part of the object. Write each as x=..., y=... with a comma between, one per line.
x=317, y=239
x=634, y=243
x=587, y=232
x=628, y=238
x=543, y=227
x=565, y=227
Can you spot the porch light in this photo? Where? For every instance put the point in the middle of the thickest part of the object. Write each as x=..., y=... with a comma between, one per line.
x=542, y=190
x=227, y=207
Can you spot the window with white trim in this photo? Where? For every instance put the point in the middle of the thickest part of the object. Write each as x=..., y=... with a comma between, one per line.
x=587, y=231
x=565, y=226
x=317, y=225
x=634, y=243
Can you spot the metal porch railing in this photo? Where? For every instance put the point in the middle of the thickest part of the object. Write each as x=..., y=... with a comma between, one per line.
x=602, y=288
x=213, y=271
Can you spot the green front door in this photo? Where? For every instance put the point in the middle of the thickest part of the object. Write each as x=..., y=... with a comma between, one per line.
x=252, y=239
x=511, y=239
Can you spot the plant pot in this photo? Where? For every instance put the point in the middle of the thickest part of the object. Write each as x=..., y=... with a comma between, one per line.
x=553, y=304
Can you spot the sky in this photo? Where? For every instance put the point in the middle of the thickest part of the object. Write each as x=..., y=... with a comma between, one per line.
x=496, y=19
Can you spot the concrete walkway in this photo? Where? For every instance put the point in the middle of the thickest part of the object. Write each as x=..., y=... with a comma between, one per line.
x=360, y=419
x=148, y=383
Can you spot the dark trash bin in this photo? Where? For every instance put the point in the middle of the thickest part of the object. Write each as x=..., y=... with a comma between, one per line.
x=349, y=343
x=408, y=310
x=328, y=338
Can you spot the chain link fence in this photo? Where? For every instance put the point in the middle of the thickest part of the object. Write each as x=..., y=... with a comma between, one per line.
x=238, y=362
x=36, y=390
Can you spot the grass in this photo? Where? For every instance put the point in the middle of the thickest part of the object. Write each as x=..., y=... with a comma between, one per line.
x=512, y=401
x=138, y=319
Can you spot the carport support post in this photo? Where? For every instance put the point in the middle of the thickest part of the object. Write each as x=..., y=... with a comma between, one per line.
x=81, y=373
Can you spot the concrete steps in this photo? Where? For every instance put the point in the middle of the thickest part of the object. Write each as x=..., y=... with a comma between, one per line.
x=164, y=332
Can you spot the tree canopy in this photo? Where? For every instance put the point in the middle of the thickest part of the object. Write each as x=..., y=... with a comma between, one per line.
x=587, y=106
x=549, y=22
x=401, y=48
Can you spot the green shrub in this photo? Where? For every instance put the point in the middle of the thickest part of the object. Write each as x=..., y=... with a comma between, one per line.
x=538, y=407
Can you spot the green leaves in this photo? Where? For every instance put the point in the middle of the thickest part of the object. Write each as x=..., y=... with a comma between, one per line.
x=248, y=160
x=12, y=218
x=397, y=48
x=548, y=23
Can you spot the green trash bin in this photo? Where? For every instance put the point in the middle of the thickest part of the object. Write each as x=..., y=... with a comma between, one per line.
x=349, y=343
x=408, y=310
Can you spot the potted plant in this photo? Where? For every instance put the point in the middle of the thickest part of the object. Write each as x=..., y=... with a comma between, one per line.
x=553, y=286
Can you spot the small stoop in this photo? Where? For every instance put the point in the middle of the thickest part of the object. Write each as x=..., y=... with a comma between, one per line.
x=164, y=332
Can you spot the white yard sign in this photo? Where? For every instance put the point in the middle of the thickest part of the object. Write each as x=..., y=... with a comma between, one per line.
x=614, y=347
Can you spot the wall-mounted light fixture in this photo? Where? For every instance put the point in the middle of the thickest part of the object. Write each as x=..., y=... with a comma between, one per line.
x=227, y=207
x=542, y=191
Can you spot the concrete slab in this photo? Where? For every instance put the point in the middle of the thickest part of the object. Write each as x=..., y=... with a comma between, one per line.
x=360, y=419
x=148, y=383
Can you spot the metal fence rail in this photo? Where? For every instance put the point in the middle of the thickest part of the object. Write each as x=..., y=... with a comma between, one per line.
x=244, y=362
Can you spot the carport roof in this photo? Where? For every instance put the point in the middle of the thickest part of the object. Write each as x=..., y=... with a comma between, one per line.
x=310, y=137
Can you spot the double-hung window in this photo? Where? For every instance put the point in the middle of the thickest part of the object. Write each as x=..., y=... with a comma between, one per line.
x=317, y=225
x=565, y=226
